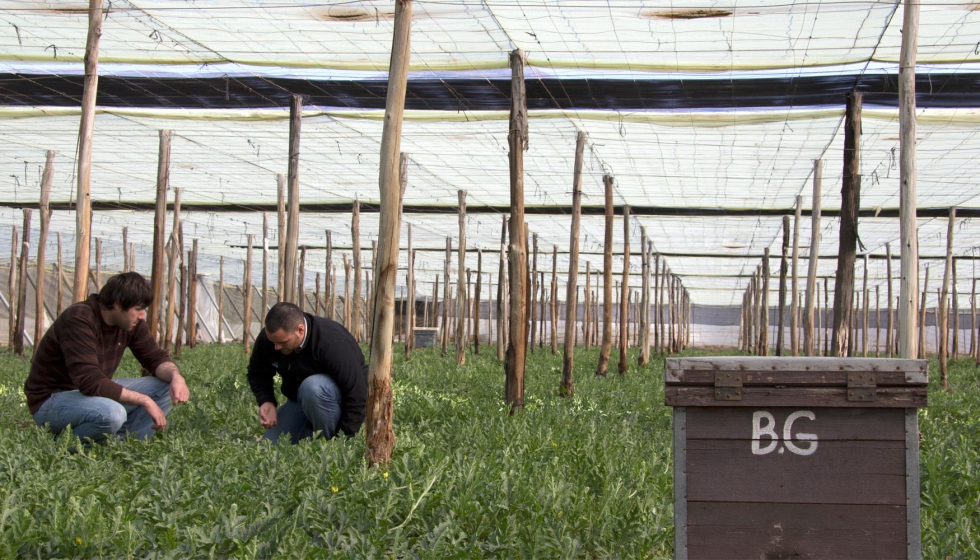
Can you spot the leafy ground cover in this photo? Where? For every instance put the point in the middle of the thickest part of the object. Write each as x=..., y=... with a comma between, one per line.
x=585, y=477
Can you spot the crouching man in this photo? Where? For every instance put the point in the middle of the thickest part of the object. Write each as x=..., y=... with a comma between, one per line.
x=71, y=384
x=324, y=376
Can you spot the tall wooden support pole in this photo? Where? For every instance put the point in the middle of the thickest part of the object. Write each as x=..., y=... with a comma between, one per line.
x=667, y=312
x=657, y=302
x=330, y=287
x=476, y=301
x=811, y=276
x=301, y=281
x=888, y=334
x=877, y=321
x=922, y=318
x=517, y=253
x=12, y=287
x=461, y=290
x=221, y=300
x=908, y=231
x=192, y=297
x=644, y=341
x=355, y=232
x=83, y=205
x=844, y=317
x=607, y=281
x=500, y=289
x=159, y=226
x=468, y=308
x=764, y=305
x=265, y=264
x=281, y=235
x=410, y=300
x=587, y=305
x=941, y=313
x=174, y=257
x=21, y=322
x=125, y=245
x=247, y=291
x=554, y=300
x=541, y=323
x=755, y=343
x=955, y=327
x=59, y=281
x=445, y=296
x=292, y=200
x=567, y=386
x=794, y=325
x=97, y=276
x=624, y=295
x=534, y=293
x=132, y=257
x=380, y=435
x=181, y=308
x=864, y=321
x=974, y=349
x=347, y=292
x=783, y=270
x=44, y=211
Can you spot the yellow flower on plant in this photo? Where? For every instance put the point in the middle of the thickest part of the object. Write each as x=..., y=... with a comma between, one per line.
x=384, y=475
x=78, y=541
x=334, y=489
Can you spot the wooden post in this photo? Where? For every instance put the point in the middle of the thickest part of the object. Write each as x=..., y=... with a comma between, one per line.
x=83, y=204
x=657, y=302
x=554, y=300
x=132, y=257
x=956, y=316
x=644, y=307
x=517, y=254
x=942, y=315
x=181, y=308
x=434, y=313
x=668, y=286
x=159, y=226
x=783, y=270
x=192, y=297
x=587, y=303
x=864, y=322
x=888, y=335
x=380, y=434
x=534, y=293
x=922, y=317
x=125, y=245
x=174, y=256
x=756, y=317
x=468, y=308
x=567, y=385
x=247, y=292
x=877, y=321
x=973, y=324
x=58, y=281
x=292, y=200
x=607, y=281
x=811, y=277
x=347, y=292
x=97, y=276
x=461, y=284
x=410, y=300
x=476, y=301
x=908, y=230
x=794, y=328
x=265, y=264
x=844, y=317
x=624, y=294
x=355, y=231
x=281, y=235
x=301, y=280
x=500, y=289
x=12, y=278
x=21, y=322
x=764, y=323
x=221, y=299
x=445, y=297
x=333, y=292
x=44, y=212
x=541, y=323
x=330, y=295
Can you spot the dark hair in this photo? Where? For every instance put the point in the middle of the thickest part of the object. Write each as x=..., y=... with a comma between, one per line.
x=128, y=289
x=283, y=316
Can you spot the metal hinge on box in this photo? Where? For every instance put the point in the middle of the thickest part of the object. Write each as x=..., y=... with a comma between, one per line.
x=861, y=386
x=728, y=386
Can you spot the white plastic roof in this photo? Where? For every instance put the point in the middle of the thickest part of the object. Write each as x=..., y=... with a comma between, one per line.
x=726, y=159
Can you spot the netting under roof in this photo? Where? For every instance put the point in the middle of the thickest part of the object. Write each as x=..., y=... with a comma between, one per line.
x=708, y=183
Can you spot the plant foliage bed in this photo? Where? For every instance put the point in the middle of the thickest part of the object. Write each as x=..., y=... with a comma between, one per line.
x=584, y=477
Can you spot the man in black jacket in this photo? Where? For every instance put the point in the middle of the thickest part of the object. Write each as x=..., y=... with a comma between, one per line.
x=324, y=376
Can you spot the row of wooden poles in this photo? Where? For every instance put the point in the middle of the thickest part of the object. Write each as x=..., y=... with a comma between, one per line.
x=392, y=183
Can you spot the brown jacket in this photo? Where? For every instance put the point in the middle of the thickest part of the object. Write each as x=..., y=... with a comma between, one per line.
x=81, y=351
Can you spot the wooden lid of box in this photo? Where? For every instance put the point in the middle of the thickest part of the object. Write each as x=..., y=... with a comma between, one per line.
x=782, y=381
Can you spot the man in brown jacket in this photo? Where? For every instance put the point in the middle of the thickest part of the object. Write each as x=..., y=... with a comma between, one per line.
x=71, y=384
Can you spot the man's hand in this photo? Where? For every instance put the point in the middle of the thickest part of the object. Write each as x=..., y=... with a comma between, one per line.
x=178, y=389
x=267, y=415
x=159, y=418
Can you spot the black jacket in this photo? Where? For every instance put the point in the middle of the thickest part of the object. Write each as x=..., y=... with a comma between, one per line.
x=330, y=349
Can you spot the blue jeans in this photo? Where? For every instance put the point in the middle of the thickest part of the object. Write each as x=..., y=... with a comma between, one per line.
x=316, y=410
x=97, y=418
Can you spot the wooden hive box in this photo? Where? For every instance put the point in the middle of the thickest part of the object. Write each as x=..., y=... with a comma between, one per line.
x=796, y=457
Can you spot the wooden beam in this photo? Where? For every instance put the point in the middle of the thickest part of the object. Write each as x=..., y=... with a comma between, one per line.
x=21, y=301
x=174, y=256
x=607, y=282
x=83, y=206
x=461, y=292
x=159, y=228
x=517, y=255
x=811, y=277
x=476, y=302
x=907, y=212
x=292, y=198
x=941, y=312
x=844, y=317
x=44, y=212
